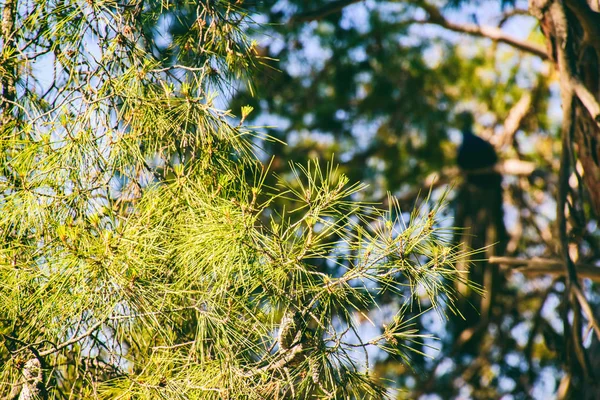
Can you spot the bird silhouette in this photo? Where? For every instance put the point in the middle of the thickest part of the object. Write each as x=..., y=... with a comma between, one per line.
x=475, y=155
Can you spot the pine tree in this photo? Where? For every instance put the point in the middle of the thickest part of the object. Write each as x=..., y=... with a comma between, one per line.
x=142, y=255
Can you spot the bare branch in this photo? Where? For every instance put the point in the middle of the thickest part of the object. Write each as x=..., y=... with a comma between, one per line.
x=513, y=121
x=515, y=167
x=587, y=99
x=539, y=266
x=448, y=175
x=587, y=310
x=490, y=32
x=435, y=18
x=511, y=13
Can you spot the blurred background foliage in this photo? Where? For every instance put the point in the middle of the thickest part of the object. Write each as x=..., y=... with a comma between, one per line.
x=371, y=84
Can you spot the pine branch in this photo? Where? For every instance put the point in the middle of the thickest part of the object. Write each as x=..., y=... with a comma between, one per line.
x=284, y=358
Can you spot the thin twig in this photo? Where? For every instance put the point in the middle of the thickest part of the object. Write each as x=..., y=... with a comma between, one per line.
x=73, y=340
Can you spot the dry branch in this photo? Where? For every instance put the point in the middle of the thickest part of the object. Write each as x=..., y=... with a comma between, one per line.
x=448, y=175
x=435, y=18
x=513, y=121
x=540, y=266
x=490, y=32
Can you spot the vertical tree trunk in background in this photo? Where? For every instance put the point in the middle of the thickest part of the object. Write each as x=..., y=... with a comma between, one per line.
x=479, y=211
x=576, y=24
x=572, y=31
x=7, y=67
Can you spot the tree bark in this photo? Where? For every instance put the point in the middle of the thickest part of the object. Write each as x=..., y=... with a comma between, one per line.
x=572, y=31
x=573, y=27
x=8, y=81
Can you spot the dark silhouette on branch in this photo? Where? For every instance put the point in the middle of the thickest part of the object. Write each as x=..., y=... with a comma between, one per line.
x=479, y=212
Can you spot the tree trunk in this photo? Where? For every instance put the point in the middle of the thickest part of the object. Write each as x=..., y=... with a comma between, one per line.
x=572, y=30
x=479, y=212
x=7, y=81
